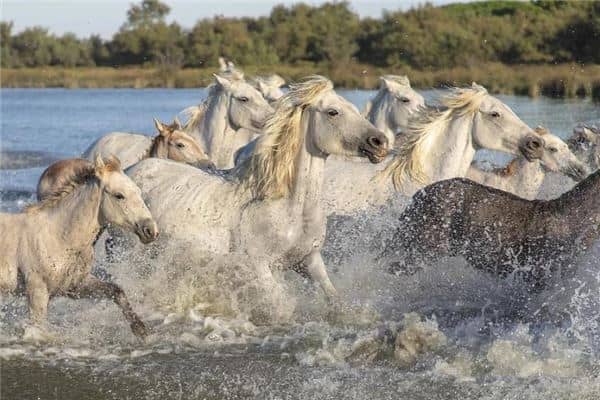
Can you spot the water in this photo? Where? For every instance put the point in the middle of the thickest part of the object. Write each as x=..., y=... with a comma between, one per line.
x=448, y=332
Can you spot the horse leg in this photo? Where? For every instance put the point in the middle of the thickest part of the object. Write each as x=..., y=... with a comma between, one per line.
x=38, y=297
x=94, y=288
x=315, y=268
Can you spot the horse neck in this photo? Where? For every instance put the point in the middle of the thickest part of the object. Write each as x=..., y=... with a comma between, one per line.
x=451, y=151
x=310, y=172
x=76, y=217
x=378, y=114
x=216, y=127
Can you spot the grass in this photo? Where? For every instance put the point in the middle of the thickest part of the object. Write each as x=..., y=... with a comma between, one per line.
x=563, y=80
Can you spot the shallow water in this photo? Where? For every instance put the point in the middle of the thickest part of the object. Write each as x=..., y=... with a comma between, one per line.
x=448, y=332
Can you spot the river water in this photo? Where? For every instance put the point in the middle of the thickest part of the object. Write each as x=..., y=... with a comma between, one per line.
x=448, y=332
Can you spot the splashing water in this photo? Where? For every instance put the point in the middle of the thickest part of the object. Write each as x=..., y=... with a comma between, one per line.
x=224, y=328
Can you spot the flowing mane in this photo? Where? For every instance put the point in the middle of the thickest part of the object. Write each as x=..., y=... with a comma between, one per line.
x=422, y=130
x=81, y=173
x=194, y=116
x=69, y=177
x=270, y=171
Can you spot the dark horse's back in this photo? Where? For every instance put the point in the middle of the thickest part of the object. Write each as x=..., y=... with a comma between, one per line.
x=458, y=217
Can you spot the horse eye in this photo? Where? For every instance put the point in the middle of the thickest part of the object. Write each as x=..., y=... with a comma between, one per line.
x=404, y=100
x=243, y=99
x=119, y=196
x=495, y=114
x=180, y=145
x=553, y=149
x=332, y=112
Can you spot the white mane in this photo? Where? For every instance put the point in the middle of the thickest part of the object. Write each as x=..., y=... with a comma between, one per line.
x=412, y=153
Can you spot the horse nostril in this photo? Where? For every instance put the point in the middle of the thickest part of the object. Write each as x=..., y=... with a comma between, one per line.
x=376, y=142
x=535, y=144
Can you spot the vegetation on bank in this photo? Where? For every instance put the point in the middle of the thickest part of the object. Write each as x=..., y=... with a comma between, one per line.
x=536, y=47
x=565, y=80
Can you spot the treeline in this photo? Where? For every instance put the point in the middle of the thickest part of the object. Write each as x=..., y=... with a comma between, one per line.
x=423, y=38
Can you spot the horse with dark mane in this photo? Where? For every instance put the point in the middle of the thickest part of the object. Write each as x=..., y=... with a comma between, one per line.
x=497, y=231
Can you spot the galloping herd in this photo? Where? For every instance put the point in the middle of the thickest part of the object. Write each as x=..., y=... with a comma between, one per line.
x=256, y=172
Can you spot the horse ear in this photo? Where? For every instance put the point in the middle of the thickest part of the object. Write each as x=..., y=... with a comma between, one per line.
x=261, y=86
x=222, y=81
x=384, y=82
x=163, y=130
x=222, y=64
x=176, y=124
x=113, y=163
x=99, y=165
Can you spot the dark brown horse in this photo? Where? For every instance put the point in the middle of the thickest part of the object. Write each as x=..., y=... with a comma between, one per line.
x=497, y=231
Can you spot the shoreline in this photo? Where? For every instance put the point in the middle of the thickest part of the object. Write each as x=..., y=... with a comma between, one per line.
x=558, y=81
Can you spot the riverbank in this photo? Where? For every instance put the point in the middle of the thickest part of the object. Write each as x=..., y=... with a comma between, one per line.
x=561, y=81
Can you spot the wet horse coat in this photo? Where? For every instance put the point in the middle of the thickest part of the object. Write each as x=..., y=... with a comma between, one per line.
x=497, y=231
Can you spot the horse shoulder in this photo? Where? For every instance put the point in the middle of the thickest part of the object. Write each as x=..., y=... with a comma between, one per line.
x=183, y=198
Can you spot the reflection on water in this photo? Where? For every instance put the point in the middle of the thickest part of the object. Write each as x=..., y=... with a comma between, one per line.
x=447, y=332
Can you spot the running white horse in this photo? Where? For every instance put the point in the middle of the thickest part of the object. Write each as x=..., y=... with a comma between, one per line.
x=524, y=178
x=231, y=116
x=393, y=105
x=48, y=250
x=171, y=142
x=269, y=207
x=438, y=145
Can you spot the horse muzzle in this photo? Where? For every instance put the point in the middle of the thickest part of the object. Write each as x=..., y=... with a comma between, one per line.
x=375, y=148
x=146, y=230
x=532, y=148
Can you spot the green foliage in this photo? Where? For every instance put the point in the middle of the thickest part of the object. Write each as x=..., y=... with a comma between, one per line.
x=332, y=35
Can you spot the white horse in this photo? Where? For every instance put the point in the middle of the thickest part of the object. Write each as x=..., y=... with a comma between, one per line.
x=438, y=145
x=171, y=142
x=229, y=118
x=441, y=145
x=524, y=178
x=393, y=105
x=48, y=250
x=269, y=207
x=269, y=86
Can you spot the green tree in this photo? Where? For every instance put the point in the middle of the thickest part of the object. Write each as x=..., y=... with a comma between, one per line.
x=146, y=37
x=33, y=47
x=5, y=44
